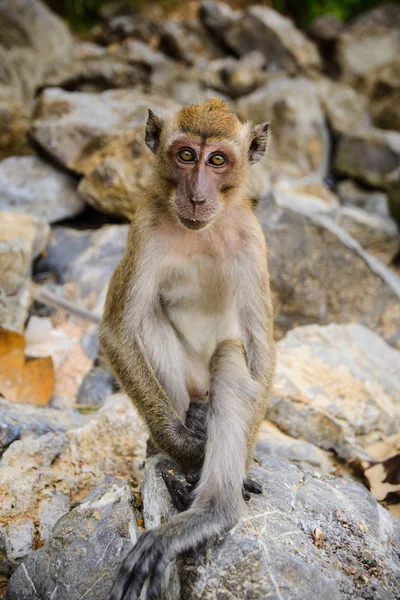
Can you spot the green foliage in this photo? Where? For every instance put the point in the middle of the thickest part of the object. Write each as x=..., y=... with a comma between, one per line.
x=82, y=14
x=306, y=11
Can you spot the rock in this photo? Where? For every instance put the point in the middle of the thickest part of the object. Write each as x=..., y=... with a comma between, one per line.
x=325, y=31
x=372, y=201
x=101, y=137
x=33, y=41
x=85, y=549
x=22, y=238
x=14, y=124
x=300, y=141
x=95, y=69
x=273, y=442
x=97, y=384
x=331, y=278
x=336, y=387
x=236, y=77
x=369, y=230
x=86, y=259
x=371, y=156
x=273, y=551
x=264, y=29
x=20, y=421
x=326, y=28
x=345, y=109
x=47, y=473
x=369, y=43
x=29, y=185
x=186, y=40
x=384, y=93
x=65, y=244
x=91, y=270
x=120, y=27
x=304, y=195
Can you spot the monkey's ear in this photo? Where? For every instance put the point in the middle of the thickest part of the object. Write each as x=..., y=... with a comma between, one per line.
x=258, y=142
x=153, y=131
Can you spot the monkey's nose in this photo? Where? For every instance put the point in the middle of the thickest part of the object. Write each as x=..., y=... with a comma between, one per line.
x=196, y=200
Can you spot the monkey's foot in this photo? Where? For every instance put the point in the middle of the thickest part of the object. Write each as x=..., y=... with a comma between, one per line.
x=147, y=558
x=251, y=486
x=180, y=489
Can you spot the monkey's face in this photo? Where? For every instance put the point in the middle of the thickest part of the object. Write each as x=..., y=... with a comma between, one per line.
x=203, y=154
x=203, y=172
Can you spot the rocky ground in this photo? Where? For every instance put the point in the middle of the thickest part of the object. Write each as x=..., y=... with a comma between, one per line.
x=74, y=494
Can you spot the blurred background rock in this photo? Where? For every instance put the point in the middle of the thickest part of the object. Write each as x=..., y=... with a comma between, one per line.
x=76, y=80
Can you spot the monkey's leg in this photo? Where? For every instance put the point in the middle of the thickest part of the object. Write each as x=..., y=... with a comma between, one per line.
x=235, y=397
x=182, y=490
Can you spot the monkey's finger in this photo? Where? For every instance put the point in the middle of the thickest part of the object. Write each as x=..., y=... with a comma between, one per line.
x=128, y=570
x=252, y=486
x=154, y=587
x=180, y=491
x=193, y=477
x=246, y=495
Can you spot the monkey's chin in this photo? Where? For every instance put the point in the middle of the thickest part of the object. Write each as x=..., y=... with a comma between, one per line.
x=194, y=225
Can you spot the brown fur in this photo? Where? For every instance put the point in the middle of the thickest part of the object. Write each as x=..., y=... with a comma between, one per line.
x=189, y=312
x=210, y=119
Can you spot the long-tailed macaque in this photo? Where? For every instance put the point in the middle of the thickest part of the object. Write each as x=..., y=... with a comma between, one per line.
x=187, y=327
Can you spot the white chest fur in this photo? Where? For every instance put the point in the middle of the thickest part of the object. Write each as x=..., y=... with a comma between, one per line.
x=200, y=304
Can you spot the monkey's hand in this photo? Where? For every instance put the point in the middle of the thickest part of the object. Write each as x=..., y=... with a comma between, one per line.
x=196, y=417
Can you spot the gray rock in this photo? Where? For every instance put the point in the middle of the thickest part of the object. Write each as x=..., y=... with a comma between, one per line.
x=373, y=201
x=85, y=550
x=236, y=77
x=86, y=259
x=326, y=28
x=300, y=141
x=306, y=536
x=273, y=442
x=29, y=185
x=46, y=473
x=371, y=156
x=94, y=68
x=384, y=94
x=97, y=384
x=33, y=41
x=20, y=421
x=65, y=244
x=14, y=124
x=346, y=110
x=264, y=29
x=331, y=279
x=337, y=387
x=101, y=137
x=369, y=230
x=186, y=40
x=91, y=270
x=22, y=238
x=122, y=26
x=369, y=43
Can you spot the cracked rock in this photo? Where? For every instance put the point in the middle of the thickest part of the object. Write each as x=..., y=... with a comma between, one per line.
x=84, y=551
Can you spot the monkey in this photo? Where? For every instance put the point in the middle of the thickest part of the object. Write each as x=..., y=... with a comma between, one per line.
x=187, y=325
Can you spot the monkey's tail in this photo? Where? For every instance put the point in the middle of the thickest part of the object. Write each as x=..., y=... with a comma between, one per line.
x=218, y=502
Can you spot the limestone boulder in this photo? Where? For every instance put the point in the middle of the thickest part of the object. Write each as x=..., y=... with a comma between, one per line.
x=101, y=138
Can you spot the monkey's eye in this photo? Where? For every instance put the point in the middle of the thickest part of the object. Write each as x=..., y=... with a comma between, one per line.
x=217, y=159
x=187, y=155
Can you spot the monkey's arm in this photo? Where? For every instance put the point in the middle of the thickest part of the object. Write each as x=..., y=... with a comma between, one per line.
x=143, y=353
x=257, y=323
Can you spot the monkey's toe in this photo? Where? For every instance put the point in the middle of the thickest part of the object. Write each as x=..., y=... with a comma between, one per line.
x=179, y=489
x=137, y=566
x=251, y=486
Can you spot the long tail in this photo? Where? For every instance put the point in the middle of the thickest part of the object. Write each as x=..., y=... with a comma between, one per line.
x=218, y=502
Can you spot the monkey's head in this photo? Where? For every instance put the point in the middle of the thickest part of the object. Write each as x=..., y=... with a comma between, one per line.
x=203, y=154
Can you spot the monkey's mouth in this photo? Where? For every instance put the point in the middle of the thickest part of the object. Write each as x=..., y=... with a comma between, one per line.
x=193, y=223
